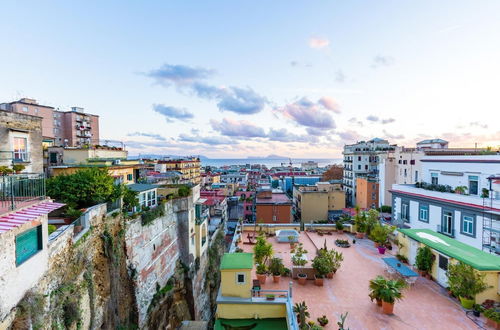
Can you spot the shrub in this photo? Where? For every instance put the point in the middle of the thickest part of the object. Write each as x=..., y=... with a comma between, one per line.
x=492, y=314
x=18, y=167
x=386, y=209
x=299, y=252
x=322, y=265
x=464, y=281
x=424, y=259
x=51, y=228
x=276, y=266
x=380, y=233
x=262, y=250
x=184, y=191
x=149, y=215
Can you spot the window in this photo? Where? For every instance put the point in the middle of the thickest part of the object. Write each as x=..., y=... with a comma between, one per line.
x=405, y=162
x=359, y=167
x=443, y=262
x=366, y=167
x=416, y=176
x=468, y=225
x=25, y=109
x=359, y=158
x=274, y=218
x=130, y=177
x=434, y=178
x=28, y=244
x=423, y=213
x=447, y=223
x=36, y=111
x=20, y=149
x=473, y=184
x=405, y=211
x=240, y=278
x=374, y=196
x=406, y=173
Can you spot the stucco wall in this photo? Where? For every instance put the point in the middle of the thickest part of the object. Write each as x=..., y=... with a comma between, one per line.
x=250, y=311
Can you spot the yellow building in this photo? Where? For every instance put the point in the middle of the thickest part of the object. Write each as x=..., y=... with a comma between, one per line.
x=315, y=202
x=239, y=306
x=446, y=251
x=188, y=167
x=124, y=171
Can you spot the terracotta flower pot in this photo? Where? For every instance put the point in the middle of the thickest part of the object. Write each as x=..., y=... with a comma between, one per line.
x=340, y=231
x=491, y=323
x=330, y=275
x=387, y=308
x=379, y=302
x=276, y=278
x=262, y=278
x=302, y=278
x=318, y=281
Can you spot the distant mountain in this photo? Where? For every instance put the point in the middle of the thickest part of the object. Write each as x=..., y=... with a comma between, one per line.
x=267, y=157
x=157, y=156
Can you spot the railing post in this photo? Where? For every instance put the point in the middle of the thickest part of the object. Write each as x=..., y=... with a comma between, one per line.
x=12, y=204
x=290, y=284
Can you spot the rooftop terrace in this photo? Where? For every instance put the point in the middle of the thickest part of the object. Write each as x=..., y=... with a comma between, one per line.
x=423, y=305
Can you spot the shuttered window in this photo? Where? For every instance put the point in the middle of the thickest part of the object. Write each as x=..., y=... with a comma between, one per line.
x=28, y=243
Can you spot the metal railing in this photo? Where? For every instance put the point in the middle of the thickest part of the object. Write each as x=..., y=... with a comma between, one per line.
x=15, y=156
x=20, y=189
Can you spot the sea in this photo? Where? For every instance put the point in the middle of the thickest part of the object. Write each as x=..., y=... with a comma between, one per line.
x=269, y=162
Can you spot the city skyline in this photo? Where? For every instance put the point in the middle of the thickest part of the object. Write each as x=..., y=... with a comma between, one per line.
x=234, y=80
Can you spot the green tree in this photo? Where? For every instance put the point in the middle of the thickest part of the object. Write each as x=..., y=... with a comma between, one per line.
x=464, y=281
x=84, y=188
x=262, y=250
x=130, y=199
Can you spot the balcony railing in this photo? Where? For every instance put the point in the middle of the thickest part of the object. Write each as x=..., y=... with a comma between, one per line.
x=20, y=190
x=446, y=231
x=15, y=157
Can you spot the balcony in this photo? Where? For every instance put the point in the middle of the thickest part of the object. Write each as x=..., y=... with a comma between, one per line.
x=15, y=157
x=18, y=191
x=445, y=231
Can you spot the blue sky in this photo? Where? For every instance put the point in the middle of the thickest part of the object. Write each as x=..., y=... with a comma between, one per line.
x=240, y=78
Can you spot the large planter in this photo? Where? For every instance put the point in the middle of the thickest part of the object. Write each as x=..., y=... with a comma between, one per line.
x=387, y=308
x=360, y=235
x=467, y=303
x=492, y=324
x=276, y=278
x=262, y=278
x=318, y=281
x=340, y=231
x=381, y=249
x=302, y=278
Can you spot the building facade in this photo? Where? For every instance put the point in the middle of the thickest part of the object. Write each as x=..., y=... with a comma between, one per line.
x=367, y=192
x=188, y=167
x=272, y=207
x=458, y=196
x=60, y=128
x=362, y=158
x=21, y=141
x=318, y=202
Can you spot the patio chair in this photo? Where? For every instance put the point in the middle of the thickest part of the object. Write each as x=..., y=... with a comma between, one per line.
x=256, y=287
x=411, y=280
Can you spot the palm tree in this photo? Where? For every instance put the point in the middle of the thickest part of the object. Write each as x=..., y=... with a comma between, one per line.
x=301, y=310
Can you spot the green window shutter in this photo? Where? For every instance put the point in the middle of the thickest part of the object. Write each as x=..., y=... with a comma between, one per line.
x=129, y=177
x=27, y=244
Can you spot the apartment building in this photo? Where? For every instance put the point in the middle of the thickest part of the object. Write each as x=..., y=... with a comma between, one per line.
x=189, y=168
x=21, y=141
x=318, y=202
x=457, y=196
x=367, y=192
x=362, y=159
x=60, y=128
x=272, y=207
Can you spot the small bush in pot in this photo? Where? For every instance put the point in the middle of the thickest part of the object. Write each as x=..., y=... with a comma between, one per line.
x=390, y=292
x=322, y=320
x=261, y=273
x=276, y=268
x=375, y=286
x=466, y=283
x=322, y=266
x=424, y=260
x=302, y=314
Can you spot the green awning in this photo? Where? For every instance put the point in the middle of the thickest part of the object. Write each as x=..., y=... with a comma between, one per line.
x=237, y=261
x=476, y=258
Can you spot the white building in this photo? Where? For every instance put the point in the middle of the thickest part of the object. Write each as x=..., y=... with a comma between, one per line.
x=469, y=213
x=239, y=177
x=309, y=165
x=362, y=158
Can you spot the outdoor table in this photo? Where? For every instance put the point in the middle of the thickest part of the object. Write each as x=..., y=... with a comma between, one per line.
x=399, y=267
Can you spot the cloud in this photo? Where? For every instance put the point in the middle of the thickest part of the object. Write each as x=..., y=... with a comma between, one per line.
x=355, y=121
x=392, y=136
x=150, y=135
x=191, y=79
x=339, y=76
x=388, y=120
x=307, y=113
x=373, y=118
x=329, y=103
x=283, y=135
x=210, y=140
x=349, y=136
x=299, y=64
x=315, y=132
x=179, y=74
x=171, y=113
x=376, y=119
x=380, y=61
x=235, y=128
x=318, y=43
x=478, y=124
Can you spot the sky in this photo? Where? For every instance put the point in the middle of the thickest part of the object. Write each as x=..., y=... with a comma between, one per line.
x=231, y=79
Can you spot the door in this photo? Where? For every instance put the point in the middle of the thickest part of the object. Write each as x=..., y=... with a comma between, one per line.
x=413, y=251
x=442, y=279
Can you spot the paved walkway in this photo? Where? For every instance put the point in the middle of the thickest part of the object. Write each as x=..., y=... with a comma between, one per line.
x=425, y=306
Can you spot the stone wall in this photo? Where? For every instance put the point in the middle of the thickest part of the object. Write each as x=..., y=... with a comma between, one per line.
x=27, y=126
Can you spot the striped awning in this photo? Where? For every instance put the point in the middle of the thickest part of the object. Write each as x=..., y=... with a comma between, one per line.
x=17, y=218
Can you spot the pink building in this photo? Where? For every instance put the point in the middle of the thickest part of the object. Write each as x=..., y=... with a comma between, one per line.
x=60, y=128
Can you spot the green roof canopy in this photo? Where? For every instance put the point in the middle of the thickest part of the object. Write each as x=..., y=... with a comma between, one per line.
x=476, y=258
x=237, y=261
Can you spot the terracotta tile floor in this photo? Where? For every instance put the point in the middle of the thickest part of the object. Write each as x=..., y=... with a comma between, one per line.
x=425, y=306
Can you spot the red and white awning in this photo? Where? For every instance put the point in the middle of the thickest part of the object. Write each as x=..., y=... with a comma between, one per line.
x=17, y=218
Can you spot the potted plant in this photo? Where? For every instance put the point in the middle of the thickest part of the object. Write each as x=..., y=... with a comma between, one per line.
x=492, y=318
x=389, y=293
x=402, y=258
x=302, y=314
x=380, y=235
x=322, y=320
x=371, y=220
x=342, y=321
x=302, y=278
x=18, y=168
x=4, y=170
x=375, y=286
x=476, y=310
x=424, y=260
x=270, y=297
x=276, y=268
x=261, y=273
x=298, y=255
x=465, y=282
x=291, y=240
x=360, y=222
x=460, y=190
x=322, y=266
x=339, y=225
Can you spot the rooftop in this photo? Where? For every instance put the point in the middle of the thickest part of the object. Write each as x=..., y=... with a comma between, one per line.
x=451, y=247
x=279, y=198
x=139, y=187
x=237, y=261
x=423, y=303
